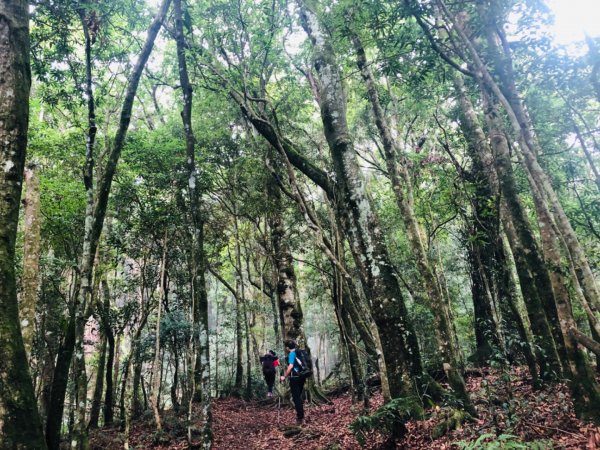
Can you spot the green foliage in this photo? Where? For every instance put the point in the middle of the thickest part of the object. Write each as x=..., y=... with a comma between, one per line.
x=488, y=441
x=389, y=420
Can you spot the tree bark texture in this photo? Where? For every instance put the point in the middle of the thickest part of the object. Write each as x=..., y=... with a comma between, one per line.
x=200, y=298
x=290, y=312
x=501, y=268
x=532, y=271
x=20, y=425
x=31, y=255
x=99, y=387
x=399, y=342
x=402, y=187
x=94, y=221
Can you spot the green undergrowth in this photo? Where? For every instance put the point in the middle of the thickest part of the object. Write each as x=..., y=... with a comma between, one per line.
x=389, y=420
x=490, y=441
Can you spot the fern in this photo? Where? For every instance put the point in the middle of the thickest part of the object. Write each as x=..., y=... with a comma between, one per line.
x=503, y=442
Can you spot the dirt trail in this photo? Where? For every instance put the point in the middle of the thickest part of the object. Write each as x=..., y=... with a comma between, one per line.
x=506, y=405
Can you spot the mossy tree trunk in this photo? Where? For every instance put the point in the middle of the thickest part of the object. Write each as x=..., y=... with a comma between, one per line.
x=96, y=205
x=428, y=282
x=20, y=425
x=201, y=382
x=399, y=342
x=533, y=274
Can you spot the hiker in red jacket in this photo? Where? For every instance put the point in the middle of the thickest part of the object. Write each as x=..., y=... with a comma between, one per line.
x=269, y=363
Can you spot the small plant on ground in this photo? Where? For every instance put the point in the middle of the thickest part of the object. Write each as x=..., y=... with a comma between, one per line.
x=489, y=441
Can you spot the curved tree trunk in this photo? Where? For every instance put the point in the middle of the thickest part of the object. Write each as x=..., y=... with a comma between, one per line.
x=402, y=187
x=94, y=222
x=533, y=274
x=399, y=342
x=482, y=155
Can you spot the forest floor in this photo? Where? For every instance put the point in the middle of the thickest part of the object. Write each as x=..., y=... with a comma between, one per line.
x=507, y=405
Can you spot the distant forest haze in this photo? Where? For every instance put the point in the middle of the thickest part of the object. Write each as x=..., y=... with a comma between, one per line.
x=408, y=189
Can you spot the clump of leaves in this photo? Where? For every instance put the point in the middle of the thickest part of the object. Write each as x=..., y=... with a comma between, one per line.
x=488, y=441
x=389, y=420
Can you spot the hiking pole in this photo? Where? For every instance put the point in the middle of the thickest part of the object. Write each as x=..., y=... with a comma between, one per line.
x=278, y=401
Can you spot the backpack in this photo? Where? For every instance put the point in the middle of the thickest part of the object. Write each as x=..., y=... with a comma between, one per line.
x=268, y=363
x=303, y=363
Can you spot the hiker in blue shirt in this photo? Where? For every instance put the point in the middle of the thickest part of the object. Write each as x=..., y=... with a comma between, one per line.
x=296, y=381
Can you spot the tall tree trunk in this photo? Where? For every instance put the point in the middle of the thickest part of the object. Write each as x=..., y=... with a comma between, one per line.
x=156, y=365
x=129, y=386
x=110, y=359
x=83, y=290
x=31, y=255
x=174, y=384
x=291, y=316
x=99, y=387
x=484, y=160
x=248, y=394
x=94, y=222
x=136, y=402
x=59, y=385
x=532, y=272
x=20, y=425
x=346, y=334
x=402, y=187
x=241, y=309
x=239, y=312
x=398, y=338
x=50, y=334
x=239, y=346
x=511, y=301
x=201, y=392
x=484, y=238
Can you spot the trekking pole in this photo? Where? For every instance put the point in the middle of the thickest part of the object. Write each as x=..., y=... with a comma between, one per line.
x=278, y=400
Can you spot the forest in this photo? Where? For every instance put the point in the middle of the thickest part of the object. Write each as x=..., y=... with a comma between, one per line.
x=406, y=189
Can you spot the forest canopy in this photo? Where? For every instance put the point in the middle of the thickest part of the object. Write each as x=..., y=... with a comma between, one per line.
x=406, y=189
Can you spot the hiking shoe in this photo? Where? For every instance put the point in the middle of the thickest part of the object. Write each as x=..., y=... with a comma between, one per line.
x=269, y=394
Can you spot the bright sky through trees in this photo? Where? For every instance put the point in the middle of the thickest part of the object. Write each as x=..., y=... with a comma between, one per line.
x=573, y=18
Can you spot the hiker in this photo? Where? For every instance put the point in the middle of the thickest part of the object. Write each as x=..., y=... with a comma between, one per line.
x=296, y=380
x=269, y=363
